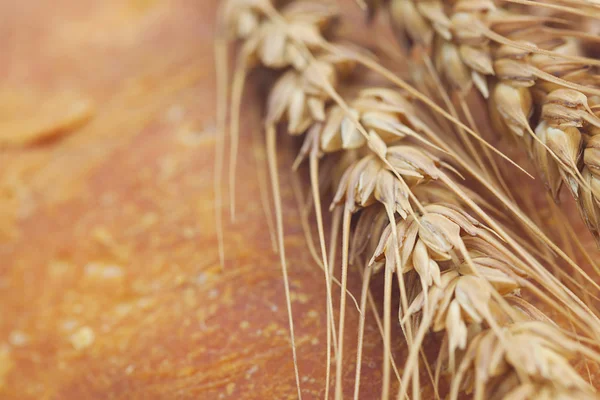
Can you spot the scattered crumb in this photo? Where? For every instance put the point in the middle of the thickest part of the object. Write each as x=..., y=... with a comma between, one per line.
x=312, y=314
x=6, y=363
x=129, y=370
x=77, y=308
x=101, y=270
x=202, y=325
x=145, y=303
x=146, y=221
x=175, y=113
x=201, y=278
x=314, y=341
x=122, y=309
x=188, y=232
x=69, y=324
x=251, y=371
x=189, y=297
x=102, y=235
x=212, y=294
x=244, y=325
x=230, y=388
x=83, y=338
x=180, y=280
x=191, y=136
x=149, y=219
x=58, y=268
x=108, y=199
x=18, y=338
x=302, y=298
x=105, y=238
x=168, y=167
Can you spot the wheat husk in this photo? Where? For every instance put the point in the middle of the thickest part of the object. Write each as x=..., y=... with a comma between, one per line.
x=536, y=77
x=457, y=274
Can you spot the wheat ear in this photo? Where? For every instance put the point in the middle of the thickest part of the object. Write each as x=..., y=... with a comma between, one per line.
x=540, y=85
x=387, y=175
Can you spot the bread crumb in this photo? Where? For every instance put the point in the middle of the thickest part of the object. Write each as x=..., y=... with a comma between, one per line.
x=123, y=309
x=58, y=268
x=189, y=297
x=167, y=167
x=149, y=219
x=175, y=113
x=69, y=325
x=251, y=371
x=201, y=278
x=230, y=388
x=108, y=199
x=180, y=280
x=6, y=363
x=302, y=298
x=83, y=338
x=100, y=270
x=188, y=232
x=18, y=338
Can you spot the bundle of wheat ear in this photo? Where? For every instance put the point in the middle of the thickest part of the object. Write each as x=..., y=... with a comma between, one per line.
x=531, y=66
x=413, y=201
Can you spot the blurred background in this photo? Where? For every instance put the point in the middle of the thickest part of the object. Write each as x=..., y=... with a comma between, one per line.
x=110, y=284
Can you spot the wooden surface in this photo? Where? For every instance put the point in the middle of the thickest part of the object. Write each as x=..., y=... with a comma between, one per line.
x=110, y=284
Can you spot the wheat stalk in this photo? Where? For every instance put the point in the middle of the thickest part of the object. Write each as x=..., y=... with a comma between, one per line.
x=539, y=84
x=455, y=274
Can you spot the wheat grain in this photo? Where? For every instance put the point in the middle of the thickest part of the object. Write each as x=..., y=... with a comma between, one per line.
x=457, y=273
x=265, y=42
x=533, y=70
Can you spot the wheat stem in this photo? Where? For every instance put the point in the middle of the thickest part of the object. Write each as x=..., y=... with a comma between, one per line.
x=221, y=71
x=272, y=158
x=451, y=253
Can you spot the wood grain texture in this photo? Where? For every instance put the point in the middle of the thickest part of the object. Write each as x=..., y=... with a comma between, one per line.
x=110, y=284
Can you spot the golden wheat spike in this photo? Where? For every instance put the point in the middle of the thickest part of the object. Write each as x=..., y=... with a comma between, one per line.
x=526, y=67
x=455, y=273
